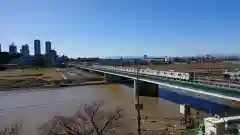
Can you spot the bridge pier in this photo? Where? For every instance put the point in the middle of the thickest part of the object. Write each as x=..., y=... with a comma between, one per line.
x=143, y=88
x=112, y=78
x=91, y=71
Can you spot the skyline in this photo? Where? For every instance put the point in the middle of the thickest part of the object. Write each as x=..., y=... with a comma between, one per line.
x=43, y=46
x=104, y=27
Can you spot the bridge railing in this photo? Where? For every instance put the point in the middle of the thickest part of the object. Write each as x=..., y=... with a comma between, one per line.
x=210, y=84
x=201, y=82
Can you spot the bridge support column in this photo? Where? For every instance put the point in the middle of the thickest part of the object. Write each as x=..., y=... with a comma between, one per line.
x=142, y=88
x=91, y=71
x=112, y=78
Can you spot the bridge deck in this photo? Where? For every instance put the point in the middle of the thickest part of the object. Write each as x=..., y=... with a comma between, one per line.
x=231, y=92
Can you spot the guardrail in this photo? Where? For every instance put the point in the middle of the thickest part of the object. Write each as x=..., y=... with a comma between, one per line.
x=206, y=85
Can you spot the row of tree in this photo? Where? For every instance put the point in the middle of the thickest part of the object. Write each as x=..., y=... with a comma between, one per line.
x=6, y=57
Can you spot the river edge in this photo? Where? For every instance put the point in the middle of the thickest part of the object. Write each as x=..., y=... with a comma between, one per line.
x=59, y=85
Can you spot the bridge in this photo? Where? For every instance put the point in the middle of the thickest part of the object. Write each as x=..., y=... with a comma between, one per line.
x=227, y=94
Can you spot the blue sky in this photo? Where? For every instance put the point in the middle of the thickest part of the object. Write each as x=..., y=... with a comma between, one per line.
x=123, y=27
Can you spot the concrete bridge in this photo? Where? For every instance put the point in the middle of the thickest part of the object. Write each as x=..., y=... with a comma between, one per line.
x=150, y=83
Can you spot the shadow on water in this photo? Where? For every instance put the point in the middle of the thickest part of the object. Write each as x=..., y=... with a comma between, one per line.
x=129, y=84
x=203, y=105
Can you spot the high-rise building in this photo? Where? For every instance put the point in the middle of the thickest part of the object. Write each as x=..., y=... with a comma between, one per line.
x=48, y=46
x=12, y=48
x=25, y=50
x=37, y=47
x=0, y=48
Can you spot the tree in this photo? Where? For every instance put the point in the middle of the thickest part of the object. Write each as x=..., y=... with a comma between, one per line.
x=15, y=129
x=89, y=120
x=6, y=57
x=39, y=61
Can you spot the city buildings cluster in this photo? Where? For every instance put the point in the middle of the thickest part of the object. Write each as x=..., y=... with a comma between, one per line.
x=50, y=54
x=24, y=51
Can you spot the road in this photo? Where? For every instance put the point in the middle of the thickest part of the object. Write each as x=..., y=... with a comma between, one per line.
x=73, y=73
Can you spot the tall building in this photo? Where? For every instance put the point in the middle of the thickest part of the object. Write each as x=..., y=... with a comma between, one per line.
x=25, y=50
x=37, y=47
x=0, y=48
x=12, y=48
x=48, y=46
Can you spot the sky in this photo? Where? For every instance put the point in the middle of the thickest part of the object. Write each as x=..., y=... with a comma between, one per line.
x=97, y=28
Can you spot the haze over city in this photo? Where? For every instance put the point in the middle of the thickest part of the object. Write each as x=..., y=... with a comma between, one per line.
x=123, y=27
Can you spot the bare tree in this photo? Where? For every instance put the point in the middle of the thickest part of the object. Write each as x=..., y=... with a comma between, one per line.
x=15, y=129
x=89, y=120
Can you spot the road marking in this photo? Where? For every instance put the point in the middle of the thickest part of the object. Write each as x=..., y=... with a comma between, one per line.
x=72, y=74
x=63, y=76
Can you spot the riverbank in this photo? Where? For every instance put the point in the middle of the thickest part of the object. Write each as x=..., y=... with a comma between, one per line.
x=55, y=85
x=14, y=79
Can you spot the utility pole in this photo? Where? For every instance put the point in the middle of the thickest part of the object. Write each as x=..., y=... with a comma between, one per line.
x=138, y=105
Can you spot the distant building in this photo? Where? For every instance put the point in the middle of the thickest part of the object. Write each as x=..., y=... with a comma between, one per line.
x=0, y=48
x=12, y=48
x=166, y=59
x=145, y=57
x=25, y=50
x=37, y=47
x=29, y=60
x=48, y=46
x=54, y=53
x=51, y=58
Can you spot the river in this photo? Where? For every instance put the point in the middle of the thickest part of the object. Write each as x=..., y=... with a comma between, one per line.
x=33, y=108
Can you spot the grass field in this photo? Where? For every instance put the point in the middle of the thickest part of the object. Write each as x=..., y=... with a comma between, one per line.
x=47, y=74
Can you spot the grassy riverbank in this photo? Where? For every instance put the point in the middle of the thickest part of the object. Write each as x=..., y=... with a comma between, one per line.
x=39, y=78
x=30, y=73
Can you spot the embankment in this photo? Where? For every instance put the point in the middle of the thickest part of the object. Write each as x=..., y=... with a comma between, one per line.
x=45, y=78
x=38, y=83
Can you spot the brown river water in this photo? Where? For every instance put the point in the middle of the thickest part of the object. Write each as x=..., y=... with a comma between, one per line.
x=33, y=108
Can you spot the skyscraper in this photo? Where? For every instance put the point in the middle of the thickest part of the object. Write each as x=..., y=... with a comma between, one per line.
x=25, y=50
x=48, y=46
x=12, y=48
x=37, y=47
x=0, y=48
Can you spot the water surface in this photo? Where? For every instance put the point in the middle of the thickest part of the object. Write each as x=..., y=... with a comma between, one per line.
x=33, y=108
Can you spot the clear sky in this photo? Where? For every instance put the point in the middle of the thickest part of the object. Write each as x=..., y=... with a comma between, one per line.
x=123, y=27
